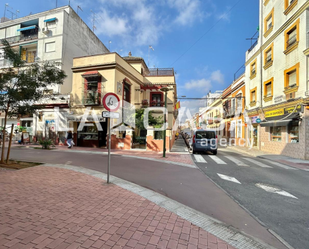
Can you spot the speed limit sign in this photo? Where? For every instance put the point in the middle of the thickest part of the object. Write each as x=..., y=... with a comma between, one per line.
x=111, y=102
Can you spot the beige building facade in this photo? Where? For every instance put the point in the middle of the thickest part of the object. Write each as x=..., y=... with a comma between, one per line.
x=136, y=86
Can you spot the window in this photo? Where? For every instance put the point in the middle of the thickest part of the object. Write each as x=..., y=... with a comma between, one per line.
x=126, y=92
x=293, y=130
x=268, y=56
x=289, y=5
x=50, y=47
x=92, y=91
x=269, y=23
x=253, y=96
x=156, y=99
x=48, y=92
x=268, y=90
x=291, y=79
x=291, y=38
x=253, y=69
x=275, y=134
x=158, y=135
x=239, y=102
x=121, y=134
x=239, y=129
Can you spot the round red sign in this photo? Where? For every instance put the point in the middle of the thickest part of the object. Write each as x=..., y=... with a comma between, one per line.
x=111, y=102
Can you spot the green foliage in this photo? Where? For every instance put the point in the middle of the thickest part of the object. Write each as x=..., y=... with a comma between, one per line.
x=46, y=143
x=156, y=122
x=23, y=84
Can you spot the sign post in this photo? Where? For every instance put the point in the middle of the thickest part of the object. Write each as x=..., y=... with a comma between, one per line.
x=111, y=103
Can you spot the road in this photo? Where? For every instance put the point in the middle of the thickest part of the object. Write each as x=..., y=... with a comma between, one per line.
x=274, y=193
x=188, y=186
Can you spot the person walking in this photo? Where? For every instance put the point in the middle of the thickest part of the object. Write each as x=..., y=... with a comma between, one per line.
x=70, y=139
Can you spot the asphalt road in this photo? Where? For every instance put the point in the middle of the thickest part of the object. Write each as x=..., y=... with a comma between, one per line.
x=188, y=186
x=274, y=193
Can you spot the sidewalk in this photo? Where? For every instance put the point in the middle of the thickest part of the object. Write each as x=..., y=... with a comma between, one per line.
x=48, y=207
x=174, y=157
x=292, y=162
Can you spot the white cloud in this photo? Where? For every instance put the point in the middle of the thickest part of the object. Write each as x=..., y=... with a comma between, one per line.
x=188, y=11
x=203, y=85
x=224, y=16
x=112, y=25
x=217, y=76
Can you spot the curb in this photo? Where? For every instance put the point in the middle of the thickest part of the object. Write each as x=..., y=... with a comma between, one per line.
x=224, y=232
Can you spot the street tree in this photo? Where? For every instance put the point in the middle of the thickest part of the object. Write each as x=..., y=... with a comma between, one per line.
x=21, y=84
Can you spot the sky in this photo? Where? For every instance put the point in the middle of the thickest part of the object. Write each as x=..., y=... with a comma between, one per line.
x=203, y=40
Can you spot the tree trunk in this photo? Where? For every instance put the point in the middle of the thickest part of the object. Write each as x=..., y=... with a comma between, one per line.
x=10, y=142
x=3, y=136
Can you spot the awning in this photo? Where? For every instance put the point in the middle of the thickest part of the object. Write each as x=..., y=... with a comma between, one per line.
x=50, y=19
x=27, y=28
x=280, y=122
x=276, y=123
x=91, y=74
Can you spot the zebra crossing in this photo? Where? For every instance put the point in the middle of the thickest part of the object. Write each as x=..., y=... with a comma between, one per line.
x=241, y=161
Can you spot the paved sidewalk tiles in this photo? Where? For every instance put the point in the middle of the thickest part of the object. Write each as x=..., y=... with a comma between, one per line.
x=47, y=207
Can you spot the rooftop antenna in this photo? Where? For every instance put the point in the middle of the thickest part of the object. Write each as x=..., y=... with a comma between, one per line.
x=150, y=48
x=78, y=7
x=109, y=45
x=17, y=11
x=6, y=5
x=93, y=21
x=56, y=3
x=11, y=13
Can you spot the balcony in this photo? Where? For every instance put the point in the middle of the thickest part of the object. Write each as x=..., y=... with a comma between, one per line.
x=161, y=72
x=91, y=98
x=156, y=104
x=22, y=37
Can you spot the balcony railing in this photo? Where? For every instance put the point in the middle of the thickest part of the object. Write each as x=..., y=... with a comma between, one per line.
x=91, y=97
x=161, y=72
x=22, y=37
x=253, y=46
x=156, y=104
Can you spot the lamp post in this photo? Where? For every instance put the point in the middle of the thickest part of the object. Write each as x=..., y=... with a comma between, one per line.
x=165, y=90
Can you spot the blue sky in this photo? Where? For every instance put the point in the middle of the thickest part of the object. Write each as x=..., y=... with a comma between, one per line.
x=204, y=40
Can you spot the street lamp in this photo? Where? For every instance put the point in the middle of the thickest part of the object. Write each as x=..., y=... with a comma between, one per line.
x=165, y=90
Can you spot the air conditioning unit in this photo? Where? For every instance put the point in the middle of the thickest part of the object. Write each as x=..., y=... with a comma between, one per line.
x=45, y=30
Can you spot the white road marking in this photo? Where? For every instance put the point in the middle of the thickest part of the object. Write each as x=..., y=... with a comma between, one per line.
x=217, y=159
x=280, y=165
x=236, y=161
x=228, y=178
x=274, y=190
x=257, y=163
x=200, y=159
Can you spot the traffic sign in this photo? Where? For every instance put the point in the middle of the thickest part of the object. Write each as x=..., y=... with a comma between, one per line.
x=111, y=102
x=258, y=120
x=110, y=114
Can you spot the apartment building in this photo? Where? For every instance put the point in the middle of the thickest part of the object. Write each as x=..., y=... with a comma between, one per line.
x=277, y=79
x=136, y=85
x=56, y=35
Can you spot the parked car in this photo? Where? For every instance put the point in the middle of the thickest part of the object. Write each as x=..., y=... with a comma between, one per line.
x=203, y=141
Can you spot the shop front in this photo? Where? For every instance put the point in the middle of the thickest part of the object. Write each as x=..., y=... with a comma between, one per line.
x=90, y=135
x=281, y=131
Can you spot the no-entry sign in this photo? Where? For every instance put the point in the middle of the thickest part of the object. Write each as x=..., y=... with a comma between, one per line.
x=111, y=102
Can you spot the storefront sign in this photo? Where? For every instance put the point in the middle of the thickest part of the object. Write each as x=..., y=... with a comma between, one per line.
x=292, y=109
x=278, y=99
x=258, y=120
x=253, y=119
x=274, y=113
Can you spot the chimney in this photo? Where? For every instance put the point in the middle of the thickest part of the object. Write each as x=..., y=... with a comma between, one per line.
x=130, y=54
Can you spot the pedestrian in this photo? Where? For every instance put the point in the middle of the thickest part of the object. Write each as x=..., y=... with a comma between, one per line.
x=70, y=139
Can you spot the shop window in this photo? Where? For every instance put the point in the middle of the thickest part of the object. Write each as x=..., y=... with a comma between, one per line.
x=291, y=38
x=253, y=69
x=269, y=23
x=89, y=132
x=158, y=135
x=275, y=134
x=289, y=5
x=156, y=99
x=293, y=130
